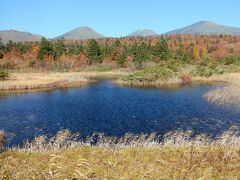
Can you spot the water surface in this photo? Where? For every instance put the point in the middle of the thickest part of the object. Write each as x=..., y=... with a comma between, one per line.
x=113, y=110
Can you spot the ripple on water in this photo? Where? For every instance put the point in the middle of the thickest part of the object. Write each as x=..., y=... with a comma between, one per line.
x=104, y=107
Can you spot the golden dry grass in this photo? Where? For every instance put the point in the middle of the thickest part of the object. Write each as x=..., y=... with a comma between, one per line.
x=229, y=94
x=1, y=140
x=25, y=81
x=226, y=78
x=31, y=81
x=178, y=156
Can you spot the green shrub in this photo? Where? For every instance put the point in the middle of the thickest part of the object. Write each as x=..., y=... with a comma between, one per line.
x=174, y=65
x=7, y=65
x=149, y=74
x=103, y=68
x=99, y=67
x=32, y=63
x=122, y=59
x=208, y=70
x=232, y=59
x=3, y=74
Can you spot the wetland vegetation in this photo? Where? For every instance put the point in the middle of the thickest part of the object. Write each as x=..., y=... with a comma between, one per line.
x=183, y=124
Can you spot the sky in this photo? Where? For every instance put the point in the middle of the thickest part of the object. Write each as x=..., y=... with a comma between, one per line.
x=113, y=18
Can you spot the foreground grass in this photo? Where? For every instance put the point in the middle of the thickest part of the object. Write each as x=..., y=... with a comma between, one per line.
x=178, y=156
x=128, y=163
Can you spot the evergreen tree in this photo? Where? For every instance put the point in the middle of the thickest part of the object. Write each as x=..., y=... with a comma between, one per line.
x=93, y=52
x=162, y=50
x=139, y=55
x=107, y=49
x=122, y=58
x=117, y=43
x=116, y=50
x=9, y=46
x=59, y=48
x=74, y=49
x=24, y=47
x=2, y=49
x=3, y=73
x=45, y=48
x=182, y=54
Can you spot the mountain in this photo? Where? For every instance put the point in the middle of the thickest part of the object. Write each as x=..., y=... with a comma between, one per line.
x=81, y=33
x=143, y=33
x=17, y=36
x=206, y=28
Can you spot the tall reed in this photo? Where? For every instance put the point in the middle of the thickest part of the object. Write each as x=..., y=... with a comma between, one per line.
x=177, y=155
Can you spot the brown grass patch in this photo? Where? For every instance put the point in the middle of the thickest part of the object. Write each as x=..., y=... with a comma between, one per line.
x=25, y=81
x=40, y=81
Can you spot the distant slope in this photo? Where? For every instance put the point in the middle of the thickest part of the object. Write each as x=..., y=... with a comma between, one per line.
x=143, y=33
x=206, y=28
x=18, y=36
x=80, y=34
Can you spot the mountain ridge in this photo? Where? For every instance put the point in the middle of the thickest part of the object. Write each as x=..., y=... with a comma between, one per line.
x=18, y=36
x=206, y=28
x=85, y=32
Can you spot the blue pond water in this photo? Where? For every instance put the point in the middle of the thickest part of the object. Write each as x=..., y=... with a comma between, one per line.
x=104, y=107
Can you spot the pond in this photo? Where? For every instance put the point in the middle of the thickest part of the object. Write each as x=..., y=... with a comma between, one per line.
x=114, y=111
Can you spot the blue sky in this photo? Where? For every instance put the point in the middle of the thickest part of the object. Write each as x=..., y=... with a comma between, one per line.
x=111, y=17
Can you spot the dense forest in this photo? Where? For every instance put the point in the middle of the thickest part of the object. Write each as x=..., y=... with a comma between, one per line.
x=121, y=52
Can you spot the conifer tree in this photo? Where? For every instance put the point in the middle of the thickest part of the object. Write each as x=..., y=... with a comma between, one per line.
x=93, y=52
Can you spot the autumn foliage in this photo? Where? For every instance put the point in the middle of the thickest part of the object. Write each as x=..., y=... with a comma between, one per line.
x=121, y=51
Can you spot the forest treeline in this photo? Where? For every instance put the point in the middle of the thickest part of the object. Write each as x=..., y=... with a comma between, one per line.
x=121, y=52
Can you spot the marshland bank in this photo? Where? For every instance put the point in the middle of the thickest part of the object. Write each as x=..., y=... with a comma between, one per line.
x=18, y=81
x=151, y=77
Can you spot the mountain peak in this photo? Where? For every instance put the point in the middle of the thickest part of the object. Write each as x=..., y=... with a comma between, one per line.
x=204, y=22
x=84, y=28
x=80, y=33
x=143, y=33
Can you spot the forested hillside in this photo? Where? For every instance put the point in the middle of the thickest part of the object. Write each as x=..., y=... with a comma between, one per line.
x=121, y=52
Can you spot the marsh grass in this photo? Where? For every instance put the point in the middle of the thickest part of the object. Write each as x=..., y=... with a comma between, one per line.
x=1, y=141
x=179, y=155
x=49, y=80
x=227, y=95
x=168, y=76
x=24, y=81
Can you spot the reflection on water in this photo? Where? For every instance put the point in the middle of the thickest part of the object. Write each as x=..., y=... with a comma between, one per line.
x=104, y=107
